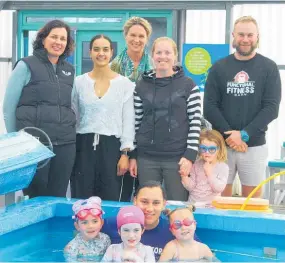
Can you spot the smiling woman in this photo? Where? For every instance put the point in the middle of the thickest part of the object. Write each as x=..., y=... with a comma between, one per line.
x=104, y=107
x=151, y=199
x=39, y=95
x=55, y=43
x=134, y=60
x=168, y=122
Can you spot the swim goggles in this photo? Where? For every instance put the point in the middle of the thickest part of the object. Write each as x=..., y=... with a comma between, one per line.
x=210, y=149
x=177, y=224
x=82, y=214
x=90, y=206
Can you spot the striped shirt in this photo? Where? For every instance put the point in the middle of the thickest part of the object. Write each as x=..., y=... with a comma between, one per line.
x=156, y=110
x=194, y=117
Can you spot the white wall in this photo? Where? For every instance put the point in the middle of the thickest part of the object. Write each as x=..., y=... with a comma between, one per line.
x=205, y=26
x=6, y=52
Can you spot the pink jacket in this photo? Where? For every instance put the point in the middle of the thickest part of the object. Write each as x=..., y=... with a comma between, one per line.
x=203, y=188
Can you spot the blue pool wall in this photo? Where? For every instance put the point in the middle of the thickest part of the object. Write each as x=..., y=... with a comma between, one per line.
x=236, y=232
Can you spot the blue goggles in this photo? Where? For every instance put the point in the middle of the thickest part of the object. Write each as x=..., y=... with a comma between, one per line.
x=210, y=149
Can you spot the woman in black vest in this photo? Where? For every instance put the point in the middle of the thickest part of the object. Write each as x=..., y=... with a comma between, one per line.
x=39, y=95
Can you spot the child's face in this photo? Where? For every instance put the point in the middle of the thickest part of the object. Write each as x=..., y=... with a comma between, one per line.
x=178, y=228
x=89, y=227
x=131, y=234
x=208, y=152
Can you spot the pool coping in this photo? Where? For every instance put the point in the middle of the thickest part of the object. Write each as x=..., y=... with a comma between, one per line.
x=41, y=208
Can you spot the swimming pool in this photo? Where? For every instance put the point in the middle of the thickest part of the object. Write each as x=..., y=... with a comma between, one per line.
x=36, y=230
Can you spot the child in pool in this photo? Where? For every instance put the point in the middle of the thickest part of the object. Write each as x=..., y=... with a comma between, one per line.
x=89, y=243
x=184, y=247
x=130, y=224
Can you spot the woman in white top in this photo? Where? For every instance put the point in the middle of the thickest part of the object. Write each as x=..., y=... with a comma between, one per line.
x=104, y=107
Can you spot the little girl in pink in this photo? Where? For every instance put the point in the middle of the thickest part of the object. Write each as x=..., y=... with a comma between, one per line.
x=130, y=223
x=209, y=174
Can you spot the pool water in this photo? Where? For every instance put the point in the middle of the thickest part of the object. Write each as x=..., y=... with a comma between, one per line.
x=44, y=242
x=40, y=242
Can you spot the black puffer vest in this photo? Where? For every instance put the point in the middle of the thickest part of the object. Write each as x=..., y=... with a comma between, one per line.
x=45, y=101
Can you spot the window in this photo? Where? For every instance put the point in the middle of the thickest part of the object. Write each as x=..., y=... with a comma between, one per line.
x=205, y=26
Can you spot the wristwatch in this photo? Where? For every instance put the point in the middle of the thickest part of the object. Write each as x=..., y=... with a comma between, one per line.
x=244, y=136
x=125, y=153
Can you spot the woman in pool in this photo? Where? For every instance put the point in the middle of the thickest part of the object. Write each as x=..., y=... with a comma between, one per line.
x=151, y=198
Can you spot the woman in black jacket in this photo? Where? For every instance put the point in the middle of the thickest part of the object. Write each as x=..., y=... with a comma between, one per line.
x=167, y=122
x=39, y=95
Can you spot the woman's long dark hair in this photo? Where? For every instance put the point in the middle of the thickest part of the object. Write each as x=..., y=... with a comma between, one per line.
x=44, y=32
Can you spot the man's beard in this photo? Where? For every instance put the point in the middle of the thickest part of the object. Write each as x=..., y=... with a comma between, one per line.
x=245, y=53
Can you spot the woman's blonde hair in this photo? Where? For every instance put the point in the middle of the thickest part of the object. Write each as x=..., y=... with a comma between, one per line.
x=217, y=138
x=135, y=20
x=168, y=212
x=174, y=46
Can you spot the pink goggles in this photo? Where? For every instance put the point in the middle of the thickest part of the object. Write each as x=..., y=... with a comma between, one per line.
x=177, y=224
x=82, y=214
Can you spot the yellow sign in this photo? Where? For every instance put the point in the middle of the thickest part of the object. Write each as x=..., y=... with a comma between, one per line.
x=198, y=61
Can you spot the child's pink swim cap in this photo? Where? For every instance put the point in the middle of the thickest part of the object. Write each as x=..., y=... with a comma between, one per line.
x=91, y=205
x=130, y=214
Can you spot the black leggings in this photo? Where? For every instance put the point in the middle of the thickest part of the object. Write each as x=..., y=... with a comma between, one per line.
x=95, y=171
x=52, y=179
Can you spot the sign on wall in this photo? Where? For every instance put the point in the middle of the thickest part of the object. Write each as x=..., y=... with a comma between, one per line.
x=198, y=59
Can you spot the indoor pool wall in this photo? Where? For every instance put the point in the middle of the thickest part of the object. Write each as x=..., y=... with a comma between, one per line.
x=45, y=223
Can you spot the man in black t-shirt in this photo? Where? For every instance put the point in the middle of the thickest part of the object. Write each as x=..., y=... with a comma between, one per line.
x=242, y=96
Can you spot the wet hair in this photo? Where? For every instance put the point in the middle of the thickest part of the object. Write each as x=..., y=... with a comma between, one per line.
x=45, y=31
x=217, y=138
x=151, y=184
x=135, y=20
x=168, y=212
x=99, y=37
